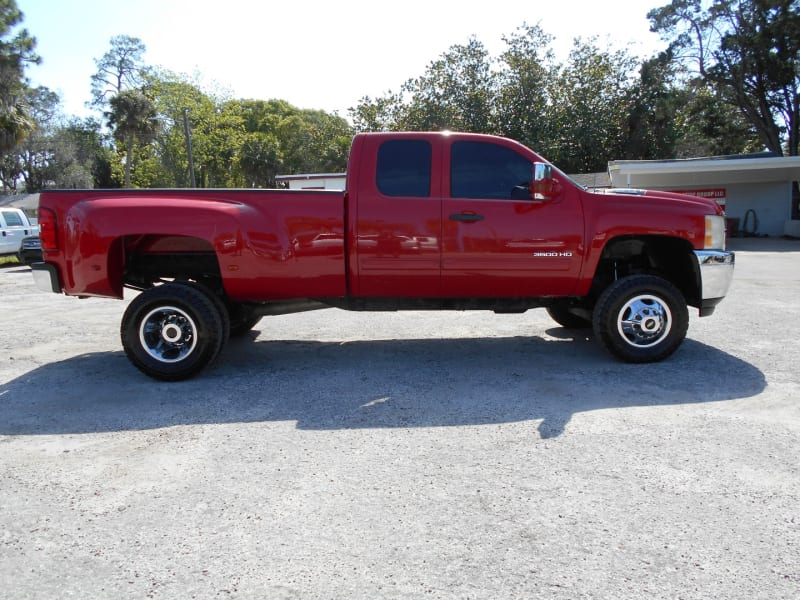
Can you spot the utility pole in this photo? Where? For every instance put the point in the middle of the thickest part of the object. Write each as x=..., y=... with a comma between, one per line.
x=188, y=133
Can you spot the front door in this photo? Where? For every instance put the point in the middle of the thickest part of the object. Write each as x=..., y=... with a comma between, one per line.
x=497, y=240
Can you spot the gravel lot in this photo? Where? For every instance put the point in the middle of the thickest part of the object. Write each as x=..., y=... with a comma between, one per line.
x=405, y=455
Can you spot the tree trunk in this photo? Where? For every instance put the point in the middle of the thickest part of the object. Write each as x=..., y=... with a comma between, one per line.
x=128, y=161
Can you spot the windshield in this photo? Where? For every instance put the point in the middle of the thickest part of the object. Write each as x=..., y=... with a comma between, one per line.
x=565, y=176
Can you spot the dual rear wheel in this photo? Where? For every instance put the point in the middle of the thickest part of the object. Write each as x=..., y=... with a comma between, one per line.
x=173, y=331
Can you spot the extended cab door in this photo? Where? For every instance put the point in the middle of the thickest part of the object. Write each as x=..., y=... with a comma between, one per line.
x=398, y=218
x=498, y=240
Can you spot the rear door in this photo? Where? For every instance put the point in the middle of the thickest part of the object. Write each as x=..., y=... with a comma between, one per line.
x=398, y=220
x=497, y=240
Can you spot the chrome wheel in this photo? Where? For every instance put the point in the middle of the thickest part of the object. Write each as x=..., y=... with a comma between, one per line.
x=168, y=334
x=172, y=331
x=641, y=318
x=644, y=321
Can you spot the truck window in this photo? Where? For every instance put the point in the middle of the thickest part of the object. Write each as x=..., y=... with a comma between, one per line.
x=404, y=168
x=12, y=219
x=485, y=170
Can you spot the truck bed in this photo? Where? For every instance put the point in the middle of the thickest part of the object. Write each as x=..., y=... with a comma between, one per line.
x=270, y=244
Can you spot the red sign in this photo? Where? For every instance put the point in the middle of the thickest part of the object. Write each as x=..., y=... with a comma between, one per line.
x=718, y=194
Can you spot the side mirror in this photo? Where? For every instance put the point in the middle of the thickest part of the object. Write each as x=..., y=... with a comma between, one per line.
x=544, y=186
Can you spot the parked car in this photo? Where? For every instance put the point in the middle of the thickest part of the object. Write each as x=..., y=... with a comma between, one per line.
x=30, y=251
x=14, y=227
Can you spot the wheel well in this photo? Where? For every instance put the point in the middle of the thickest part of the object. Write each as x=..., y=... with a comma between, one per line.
x=150, y=259
x=670, y=258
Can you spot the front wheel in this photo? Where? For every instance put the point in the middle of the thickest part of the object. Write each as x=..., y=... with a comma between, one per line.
x=173, y=331
x=641, y=318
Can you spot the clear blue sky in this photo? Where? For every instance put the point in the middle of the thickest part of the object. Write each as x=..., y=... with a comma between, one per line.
x=314, y=54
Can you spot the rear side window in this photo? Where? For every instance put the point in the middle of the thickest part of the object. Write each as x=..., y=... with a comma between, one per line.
x=404, y=168
x=486, y=170
x=12, y=219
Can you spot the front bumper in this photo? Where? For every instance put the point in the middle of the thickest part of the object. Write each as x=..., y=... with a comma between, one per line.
x=46, y=277
x=716, y=274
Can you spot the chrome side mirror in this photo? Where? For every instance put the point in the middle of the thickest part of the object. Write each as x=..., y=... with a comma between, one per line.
x=544, y=186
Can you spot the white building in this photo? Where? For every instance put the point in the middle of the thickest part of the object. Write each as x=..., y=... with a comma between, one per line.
x=314, y=181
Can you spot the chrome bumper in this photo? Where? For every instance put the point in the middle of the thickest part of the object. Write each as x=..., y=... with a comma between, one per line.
x=716, y=275
x=46, y=277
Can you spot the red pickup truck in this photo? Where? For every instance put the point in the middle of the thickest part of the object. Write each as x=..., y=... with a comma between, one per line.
x=427, y=221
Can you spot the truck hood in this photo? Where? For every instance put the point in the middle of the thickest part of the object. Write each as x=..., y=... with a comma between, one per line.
x=661, y=197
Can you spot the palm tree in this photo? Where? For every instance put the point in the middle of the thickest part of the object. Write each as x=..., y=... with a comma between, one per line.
x=132, y=116
x=15, y=123
x=17, y=50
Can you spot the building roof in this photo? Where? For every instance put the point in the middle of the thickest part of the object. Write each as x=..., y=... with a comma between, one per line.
x=23, y=201
x=309, y=176
x=719, y=170
x=593, y=180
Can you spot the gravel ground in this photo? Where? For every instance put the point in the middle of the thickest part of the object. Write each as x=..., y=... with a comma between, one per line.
x=405, y=455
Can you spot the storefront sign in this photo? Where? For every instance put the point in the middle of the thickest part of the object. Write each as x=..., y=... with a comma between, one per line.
x=718, y=194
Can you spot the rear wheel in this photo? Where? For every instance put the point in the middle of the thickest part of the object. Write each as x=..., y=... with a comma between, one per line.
x=173, y=331
x=641, y=318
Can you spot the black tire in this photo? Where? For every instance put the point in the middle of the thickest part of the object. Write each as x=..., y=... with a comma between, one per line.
x=243, y=319
x=641, y=318
x=218, y=302
x=173, y=331
x=560, y=313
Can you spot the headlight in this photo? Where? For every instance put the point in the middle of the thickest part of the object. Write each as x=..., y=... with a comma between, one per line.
x=715, y=233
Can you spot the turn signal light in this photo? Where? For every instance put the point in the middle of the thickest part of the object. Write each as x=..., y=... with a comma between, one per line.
x=715, y=232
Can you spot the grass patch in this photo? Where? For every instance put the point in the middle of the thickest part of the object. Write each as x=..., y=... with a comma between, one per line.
x=8, y=260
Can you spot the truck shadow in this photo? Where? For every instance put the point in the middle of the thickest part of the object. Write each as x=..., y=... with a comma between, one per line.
x=370, y=384
x=15, y=267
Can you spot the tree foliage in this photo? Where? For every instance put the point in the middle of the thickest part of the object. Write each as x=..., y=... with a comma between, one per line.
x=748, y=52
x=457, y=91
x=527, y=75
x=17, y=51
x=132, y=118
x=236, y=143
x=597, y=105
x=576, y=113
x=59, y=154
x=591, y=101
x=120, y=68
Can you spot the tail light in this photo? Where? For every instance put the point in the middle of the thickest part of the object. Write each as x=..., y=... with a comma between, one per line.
x=48, y=232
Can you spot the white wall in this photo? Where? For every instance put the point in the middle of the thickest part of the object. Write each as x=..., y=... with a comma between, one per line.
x=318, y=183
x=770, y=201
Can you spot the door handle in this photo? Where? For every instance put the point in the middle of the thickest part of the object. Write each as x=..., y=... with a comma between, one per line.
x=466, y=217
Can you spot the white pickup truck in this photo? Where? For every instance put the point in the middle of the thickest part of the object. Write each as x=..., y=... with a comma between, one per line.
x=14, y=227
